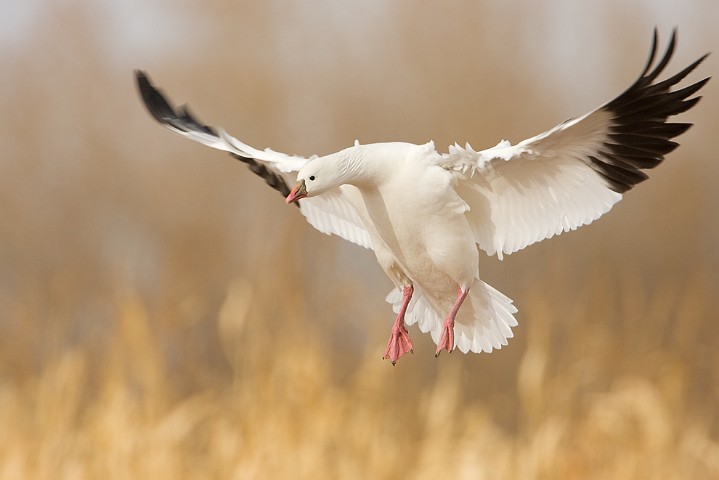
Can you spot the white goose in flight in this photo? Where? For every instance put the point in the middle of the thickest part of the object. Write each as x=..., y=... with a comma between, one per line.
x=426, y=214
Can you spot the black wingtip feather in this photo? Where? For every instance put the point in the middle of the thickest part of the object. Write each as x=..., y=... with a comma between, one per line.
x=652, y=52
x=649, y=78
x=187, y=118
x=184, y=121
x=163, y=111
x=155, y=103
x=640, y=134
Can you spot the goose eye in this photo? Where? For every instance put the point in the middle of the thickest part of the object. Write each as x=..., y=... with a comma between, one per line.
x=312, y=177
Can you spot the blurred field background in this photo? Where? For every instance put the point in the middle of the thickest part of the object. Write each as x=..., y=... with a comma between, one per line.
x=163, y=314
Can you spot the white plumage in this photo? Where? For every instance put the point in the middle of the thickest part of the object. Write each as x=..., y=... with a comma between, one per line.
x=425, y=214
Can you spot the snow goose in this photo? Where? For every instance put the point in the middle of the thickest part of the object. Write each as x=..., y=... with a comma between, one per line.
x=426, y=214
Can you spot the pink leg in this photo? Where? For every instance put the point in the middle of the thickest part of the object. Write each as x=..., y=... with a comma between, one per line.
x=446, y=340
x=399, y=341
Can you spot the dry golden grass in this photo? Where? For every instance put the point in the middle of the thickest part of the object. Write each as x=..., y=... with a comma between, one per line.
x=608, y=389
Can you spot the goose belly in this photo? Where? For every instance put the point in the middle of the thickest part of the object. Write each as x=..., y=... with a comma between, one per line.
x=429, y=238
x=440, y=256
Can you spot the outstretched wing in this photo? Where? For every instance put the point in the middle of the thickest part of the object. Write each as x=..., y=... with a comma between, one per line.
x=574, y=173
x=329, y=213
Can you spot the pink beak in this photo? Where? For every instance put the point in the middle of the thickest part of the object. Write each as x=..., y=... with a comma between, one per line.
x=298, y=192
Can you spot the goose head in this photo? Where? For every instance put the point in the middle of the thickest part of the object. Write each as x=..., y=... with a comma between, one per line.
x=325, y=173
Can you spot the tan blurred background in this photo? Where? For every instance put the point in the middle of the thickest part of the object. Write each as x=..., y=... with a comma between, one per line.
x=163, y=314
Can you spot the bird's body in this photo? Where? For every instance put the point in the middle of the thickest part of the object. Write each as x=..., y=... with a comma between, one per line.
x=420, y=231
x=438, y=252
x=427, y=214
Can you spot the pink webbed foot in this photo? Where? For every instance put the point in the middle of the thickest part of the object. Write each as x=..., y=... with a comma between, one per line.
x=446, y=339
x=399, y=341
